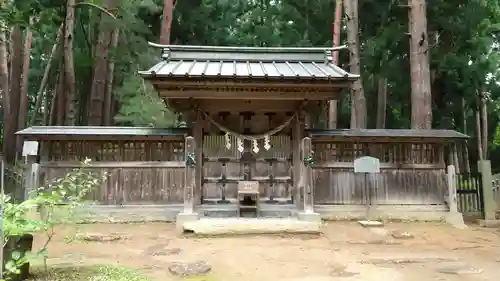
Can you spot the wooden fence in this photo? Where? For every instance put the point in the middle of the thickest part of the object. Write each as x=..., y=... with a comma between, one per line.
x=410, y=174
x=137, y=171
x=470, y=194
x=129, y=182
x=336, y=183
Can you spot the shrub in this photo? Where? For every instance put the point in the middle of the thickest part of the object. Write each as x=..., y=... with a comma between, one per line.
x=56, y=202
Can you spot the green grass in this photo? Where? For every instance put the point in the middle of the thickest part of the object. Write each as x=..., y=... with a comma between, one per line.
x=90, y=273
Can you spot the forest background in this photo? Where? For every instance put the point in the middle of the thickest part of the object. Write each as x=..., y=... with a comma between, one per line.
x=68, y=62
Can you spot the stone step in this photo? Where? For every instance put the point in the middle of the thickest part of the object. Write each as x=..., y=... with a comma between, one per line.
x=227, y=226
x=263, y=213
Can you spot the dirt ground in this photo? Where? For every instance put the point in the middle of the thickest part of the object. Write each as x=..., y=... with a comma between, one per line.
x=346, y=251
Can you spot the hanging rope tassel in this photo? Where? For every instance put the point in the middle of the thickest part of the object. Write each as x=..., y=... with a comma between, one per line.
x=240, y=145
x=255, y=146
x=267, y=143
x=253, y=138
x=228, y=141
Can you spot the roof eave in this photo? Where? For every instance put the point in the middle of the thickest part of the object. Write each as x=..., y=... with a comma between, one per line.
x=152, y=77
x=101, y=131
x=362, y=133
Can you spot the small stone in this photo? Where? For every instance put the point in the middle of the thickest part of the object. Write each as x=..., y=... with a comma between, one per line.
x=393, y=261
x=388, y=261
x=189, y=269
x=161, y=250
x=457, y=268
x=167, y=252
x=402, y=235
x=466, y=247
x=340, y=271
x=370, y=223
x=374, y=242
x=98, y=237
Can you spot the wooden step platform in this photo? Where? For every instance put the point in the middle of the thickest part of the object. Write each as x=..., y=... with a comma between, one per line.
x=227, y=226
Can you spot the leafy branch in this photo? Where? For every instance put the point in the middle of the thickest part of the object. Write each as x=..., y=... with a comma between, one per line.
x=57, y=203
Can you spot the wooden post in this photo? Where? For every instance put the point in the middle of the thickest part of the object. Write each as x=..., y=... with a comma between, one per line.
x=190, y=175
x=30, y=175
x=296, y=143
x=198, y=136
x=454, y=217
x=306, y=175
x=452, y=189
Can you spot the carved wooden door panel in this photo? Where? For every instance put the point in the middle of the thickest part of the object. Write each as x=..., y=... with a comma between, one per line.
x=221, y=171
x=272, y=169
x=223, y=168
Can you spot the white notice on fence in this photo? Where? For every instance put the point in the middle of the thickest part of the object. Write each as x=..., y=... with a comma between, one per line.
x=367, y=164
x=30, y=148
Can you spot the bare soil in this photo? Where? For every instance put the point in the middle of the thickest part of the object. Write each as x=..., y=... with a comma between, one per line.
x=346, y=251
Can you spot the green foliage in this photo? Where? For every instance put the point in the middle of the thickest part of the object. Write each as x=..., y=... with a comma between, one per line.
x=91, y=273
x=463, y=38
x=141, y=105
x=309, y=161
x=57, y=203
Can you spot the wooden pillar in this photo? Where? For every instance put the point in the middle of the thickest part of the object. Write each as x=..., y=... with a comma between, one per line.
x=454, y=217
x=198, y=137
x=31, y=177
x=296, y=139
x=306, y=175
x=452, y=189
x=190, y=175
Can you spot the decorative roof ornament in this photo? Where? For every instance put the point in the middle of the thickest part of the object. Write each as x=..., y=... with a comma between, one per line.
x=329, y=56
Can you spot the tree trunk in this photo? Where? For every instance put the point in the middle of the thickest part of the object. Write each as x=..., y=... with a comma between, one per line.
x=23, y=101
x=466, y=158
x=484, y=125
x=46, y=109
x=69, y=68
x=358, y=108
x=45, y=78
x=478, y=135
x=168, y=8
x=14, y=94
x=421, y=99
x=333, y=104
x=108, y=99
x=464, y=130
x=381, y=103
x=52, y=118
x=98, y=89
x=61, y=97
x=4, y=90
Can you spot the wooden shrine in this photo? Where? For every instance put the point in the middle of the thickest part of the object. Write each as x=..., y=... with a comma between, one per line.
x=250, y=140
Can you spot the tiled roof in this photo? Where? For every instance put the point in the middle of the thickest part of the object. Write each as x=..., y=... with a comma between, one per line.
x=247, y=62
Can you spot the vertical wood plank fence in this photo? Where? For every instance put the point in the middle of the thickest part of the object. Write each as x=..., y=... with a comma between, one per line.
x=469, y=194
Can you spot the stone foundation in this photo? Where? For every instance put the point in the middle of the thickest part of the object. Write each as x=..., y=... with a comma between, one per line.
x=168, y=213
